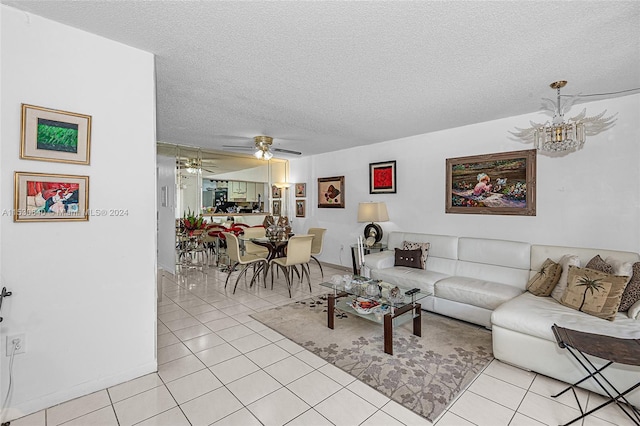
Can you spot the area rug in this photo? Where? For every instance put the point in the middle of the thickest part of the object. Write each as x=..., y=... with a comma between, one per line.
x=424, y=374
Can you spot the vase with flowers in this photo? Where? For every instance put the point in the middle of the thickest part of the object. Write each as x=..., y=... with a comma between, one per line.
x=193, y=224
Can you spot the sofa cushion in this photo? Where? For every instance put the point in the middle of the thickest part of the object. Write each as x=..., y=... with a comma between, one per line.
x=566, y=261
x=534, y=316
x=409, y=277
x=476, y=292
x=424, y=247
x=543, y=282
x=510, y=254
x=594, y=292
x=409, y=258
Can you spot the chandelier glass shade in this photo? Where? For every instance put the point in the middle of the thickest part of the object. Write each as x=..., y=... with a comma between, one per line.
x=560, y=135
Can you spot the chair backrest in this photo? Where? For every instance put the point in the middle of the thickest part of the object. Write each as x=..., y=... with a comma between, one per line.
x=233, y=246
x=318, y=239
x=299, y=249
x=254, y=232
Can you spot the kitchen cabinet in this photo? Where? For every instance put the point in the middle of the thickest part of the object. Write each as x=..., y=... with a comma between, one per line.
x=251, y=192
x=238, y=191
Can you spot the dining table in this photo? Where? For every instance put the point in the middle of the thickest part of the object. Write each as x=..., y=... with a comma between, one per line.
x=276, y=248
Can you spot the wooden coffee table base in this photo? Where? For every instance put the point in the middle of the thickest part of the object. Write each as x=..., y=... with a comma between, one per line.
x=388, y=319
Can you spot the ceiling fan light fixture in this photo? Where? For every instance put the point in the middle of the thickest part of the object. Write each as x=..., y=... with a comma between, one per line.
x=262, y=147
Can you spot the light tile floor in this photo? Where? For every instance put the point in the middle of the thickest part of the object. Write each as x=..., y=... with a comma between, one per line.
x=216, y=365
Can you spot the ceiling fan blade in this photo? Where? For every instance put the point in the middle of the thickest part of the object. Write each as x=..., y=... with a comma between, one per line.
x=286, y=151
x=252, y=148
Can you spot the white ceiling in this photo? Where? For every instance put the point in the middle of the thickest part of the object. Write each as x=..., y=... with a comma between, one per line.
x=323, y=76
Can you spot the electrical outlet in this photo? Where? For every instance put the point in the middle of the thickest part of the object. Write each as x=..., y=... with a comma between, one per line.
x=18, y=340
x=341, y=246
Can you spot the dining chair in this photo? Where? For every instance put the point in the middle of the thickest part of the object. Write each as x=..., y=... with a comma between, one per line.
x=252, y=248
x=233, y=251
x=316, y=244
x=298, y=253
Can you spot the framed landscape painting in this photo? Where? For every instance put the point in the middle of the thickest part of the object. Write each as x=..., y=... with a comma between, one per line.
x=382, y=178
x=301, y=208
x=52, y=135
x=502, y=183
x=50, y=197
x=331, y=192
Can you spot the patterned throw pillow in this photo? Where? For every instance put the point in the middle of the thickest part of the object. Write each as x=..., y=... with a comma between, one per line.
x=632, y=292
x=566, y=261
x=594, y=292
x=599, y=264
x=410, y=258
x=543, y=283
x=408, y=245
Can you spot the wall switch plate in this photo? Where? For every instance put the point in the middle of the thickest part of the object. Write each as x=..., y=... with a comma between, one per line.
x=22, y=343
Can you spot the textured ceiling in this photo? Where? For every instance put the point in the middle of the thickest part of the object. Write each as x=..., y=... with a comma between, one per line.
x=323, y=76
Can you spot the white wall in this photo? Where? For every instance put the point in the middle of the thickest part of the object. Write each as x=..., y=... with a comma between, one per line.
x=83, y=292
x=588, y=198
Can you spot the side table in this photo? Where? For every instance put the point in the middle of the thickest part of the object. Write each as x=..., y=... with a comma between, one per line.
x=367, y=250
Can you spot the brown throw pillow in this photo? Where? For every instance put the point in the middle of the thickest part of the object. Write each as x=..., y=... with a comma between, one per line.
x=543, y=283
x=599, y=264
x=632, y=292
x=409, y=245
x=594, y=292
x=410, y=258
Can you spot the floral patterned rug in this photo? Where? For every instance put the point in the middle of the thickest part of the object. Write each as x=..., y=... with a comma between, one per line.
x=424, y=374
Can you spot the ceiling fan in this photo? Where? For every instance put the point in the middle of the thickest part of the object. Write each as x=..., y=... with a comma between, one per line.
x=263, y=149
x=194, y=165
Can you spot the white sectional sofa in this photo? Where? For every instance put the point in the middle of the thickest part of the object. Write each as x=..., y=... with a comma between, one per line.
x=483, y=281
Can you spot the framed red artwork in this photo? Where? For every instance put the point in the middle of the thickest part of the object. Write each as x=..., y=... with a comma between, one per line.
x=382, y=177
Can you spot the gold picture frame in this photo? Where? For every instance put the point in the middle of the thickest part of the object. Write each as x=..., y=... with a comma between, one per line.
x=52, y=135
x=503, y=184
x=46, y=197
x=301, y=189
x=277, y=211
x=301, y=208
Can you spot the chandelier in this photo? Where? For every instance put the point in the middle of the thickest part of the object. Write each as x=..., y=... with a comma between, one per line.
x=559, y=135
x=263, y=144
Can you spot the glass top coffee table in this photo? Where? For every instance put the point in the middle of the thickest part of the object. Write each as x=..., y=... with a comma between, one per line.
x=375, y=301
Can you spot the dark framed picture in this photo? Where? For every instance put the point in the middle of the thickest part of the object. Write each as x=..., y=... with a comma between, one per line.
x=301, y=208
x=301, y=189
x=502, y=183
x=51, y=135
x=276, y=208
x=382, y=178
x=40, y=197
x=276, y=192
x=331, y=192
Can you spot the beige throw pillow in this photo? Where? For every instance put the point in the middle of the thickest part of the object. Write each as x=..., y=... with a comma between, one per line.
x=543, y=283
x=566, y=261
x=593, y=292
x=409, y=245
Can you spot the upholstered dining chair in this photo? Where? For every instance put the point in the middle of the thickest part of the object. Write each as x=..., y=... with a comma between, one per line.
x=298, y=253
x=233, y=251
x=316, y=244
x=252, y=248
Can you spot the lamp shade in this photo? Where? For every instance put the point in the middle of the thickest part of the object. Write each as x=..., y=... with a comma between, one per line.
x=372, y=212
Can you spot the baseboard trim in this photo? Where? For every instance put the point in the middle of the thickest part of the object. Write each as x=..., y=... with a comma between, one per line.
x=45, y=401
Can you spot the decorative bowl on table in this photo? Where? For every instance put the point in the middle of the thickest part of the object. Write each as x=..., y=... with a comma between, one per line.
x=364, y=306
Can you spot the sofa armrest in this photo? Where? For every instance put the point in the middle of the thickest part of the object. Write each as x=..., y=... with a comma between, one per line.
x=380, y=260
x=634, y=311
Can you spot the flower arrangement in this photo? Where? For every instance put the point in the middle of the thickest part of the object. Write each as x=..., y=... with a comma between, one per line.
x=192, y=222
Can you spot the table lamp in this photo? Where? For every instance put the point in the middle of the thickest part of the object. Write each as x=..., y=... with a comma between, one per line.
x=372, y=212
